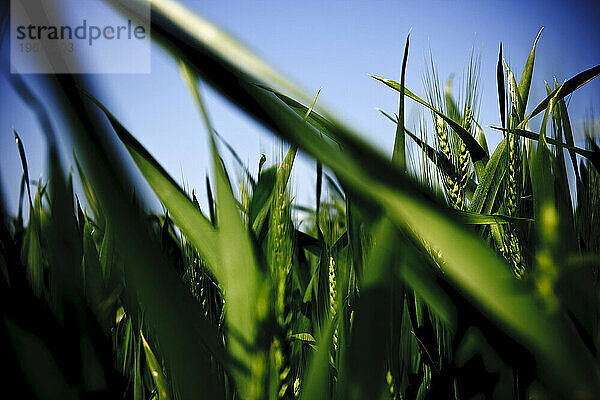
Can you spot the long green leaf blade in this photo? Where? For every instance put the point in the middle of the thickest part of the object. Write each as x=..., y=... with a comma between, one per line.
x=567, y=88
x=182, y=210
x=399, y=152
x=501, y=89
x=476, y=151
x=525, y=82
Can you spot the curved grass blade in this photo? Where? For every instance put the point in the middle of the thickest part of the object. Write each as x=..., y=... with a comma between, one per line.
x=525, y=82
x=592, y=156
x=108, y=256
x=472, y=218
x=285, y=170
x=261, y=198
x=480, y=136
x=24, y=164
x=513, y=89
x=19, y=221
x=211, y=203
x=32, y=253
x=566, y=123
x=312, y=105
x=501, y=88
x=89, y=193
x=184, y=213
x=160, y=381
x=315, y=119
x=554, y=96
x=93, y=282
x=567, y=88
x=487, y=189
x=450, y=103
x=399, y=152
x=476, y=151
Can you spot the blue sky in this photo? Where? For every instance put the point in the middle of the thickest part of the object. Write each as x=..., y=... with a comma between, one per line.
x=334, y=45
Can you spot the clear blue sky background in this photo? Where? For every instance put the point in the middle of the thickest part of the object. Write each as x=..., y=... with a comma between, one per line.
x=334, y=45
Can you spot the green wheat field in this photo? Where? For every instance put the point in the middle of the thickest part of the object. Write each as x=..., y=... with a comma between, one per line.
x=444, y=269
